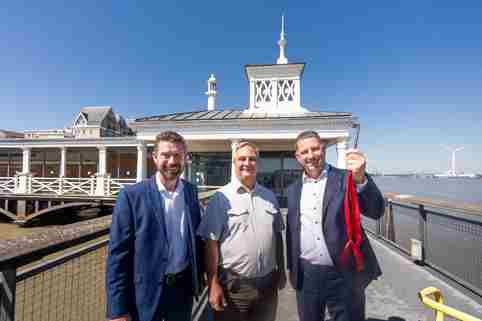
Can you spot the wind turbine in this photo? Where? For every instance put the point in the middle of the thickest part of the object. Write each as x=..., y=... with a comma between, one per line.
x=452, y=171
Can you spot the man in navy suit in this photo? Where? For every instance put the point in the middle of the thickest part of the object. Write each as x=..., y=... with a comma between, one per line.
x=153, y=267
x=316, y=234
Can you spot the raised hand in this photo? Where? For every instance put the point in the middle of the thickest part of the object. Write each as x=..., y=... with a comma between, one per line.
x=356, y=162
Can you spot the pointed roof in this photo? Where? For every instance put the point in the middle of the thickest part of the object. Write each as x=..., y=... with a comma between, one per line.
x=282, y=44
x=95, y=114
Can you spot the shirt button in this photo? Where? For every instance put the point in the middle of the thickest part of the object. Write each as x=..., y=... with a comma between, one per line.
x=318, y=238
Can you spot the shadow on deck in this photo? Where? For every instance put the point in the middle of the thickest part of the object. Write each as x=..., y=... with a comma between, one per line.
x=393, y=297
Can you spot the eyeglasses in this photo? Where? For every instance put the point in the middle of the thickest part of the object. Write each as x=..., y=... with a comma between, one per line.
x=167, y=156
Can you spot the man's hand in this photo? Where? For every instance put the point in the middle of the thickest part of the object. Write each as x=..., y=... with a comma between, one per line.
x=356, y=162
x=216, y=297
x=122, y=318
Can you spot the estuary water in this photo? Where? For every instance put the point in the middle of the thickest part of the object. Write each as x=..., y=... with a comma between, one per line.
x=463, y=190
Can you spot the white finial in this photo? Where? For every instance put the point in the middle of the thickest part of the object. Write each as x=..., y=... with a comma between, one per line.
x=282, y=43
x=211, y=92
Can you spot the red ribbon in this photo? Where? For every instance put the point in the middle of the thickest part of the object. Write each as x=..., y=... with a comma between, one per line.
x=353, y=226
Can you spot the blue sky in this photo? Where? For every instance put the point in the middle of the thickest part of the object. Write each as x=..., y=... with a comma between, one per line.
x=410, y=70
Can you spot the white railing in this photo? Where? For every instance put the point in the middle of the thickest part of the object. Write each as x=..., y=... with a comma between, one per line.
x=78, y=186
x=45, y=185
x=8, y=185
x=98, y=186
x=114, y=185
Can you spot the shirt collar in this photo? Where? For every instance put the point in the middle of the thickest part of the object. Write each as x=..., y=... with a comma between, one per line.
x=323, y=175
x=239, y=188
x=162, y=188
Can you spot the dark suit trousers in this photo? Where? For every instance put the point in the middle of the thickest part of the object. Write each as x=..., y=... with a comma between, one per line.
x=176, y=299
x=322, y=287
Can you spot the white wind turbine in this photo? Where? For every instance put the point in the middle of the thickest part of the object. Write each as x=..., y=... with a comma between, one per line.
x=452, y=171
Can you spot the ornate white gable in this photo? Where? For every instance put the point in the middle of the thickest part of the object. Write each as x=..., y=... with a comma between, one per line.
x=275, y=88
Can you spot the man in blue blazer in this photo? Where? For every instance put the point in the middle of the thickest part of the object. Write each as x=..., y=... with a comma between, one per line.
x=154, y=261
x=316, y=234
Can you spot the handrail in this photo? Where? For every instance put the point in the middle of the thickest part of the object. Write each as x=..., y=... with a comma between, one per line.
x=440, y=309
x=27, y=249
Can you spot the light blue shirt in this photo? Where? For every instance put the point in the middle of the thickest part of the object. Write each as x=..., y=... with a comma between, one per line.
x=175, y=219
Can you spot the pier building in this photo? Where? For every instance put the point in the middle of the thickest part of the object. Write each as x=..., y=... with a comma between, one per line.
x=101, y=152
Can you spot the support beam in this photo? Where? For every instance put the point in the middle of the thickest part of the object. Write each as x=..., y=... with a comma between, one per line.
x=24, y=178
x=101, y=172
x=141, y=162
x=102, y=166
x=252, y=98
x=234, y=143
x=63, y=161
x=341, y=148
x=27, y=152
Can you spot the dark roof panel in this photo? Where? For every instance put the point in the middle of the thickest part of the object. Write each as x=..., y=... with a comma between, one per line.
x=216, y=115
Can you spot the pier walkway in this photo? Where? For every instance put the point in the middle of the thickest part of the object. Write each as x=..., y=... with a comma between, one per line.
x=393, y=297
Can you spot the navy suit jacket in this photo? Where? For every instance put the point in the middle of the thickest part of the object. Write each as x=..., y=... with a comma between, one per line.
x=371, y=205
x=138, y=250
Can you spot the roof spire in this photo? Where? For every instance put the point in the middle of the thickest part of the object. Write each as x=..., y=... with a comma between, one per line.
x=282, y=43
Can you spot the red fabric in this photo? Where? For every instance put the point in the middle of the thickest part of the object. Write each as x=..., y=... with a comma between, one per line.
x=353, y=226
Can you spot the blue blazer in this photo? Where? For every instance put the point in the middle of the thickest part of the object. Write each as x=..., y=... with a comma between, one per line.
x=138, y=251
x=371, y=205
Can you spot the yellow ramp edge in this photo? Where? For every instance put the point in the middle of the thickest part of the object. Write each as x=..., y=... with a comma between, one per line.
x=432, y=298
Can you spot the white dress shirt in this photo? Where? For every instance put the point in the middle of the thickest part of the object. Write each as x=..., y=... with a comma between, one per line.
x=313, y=245
x=175, y=220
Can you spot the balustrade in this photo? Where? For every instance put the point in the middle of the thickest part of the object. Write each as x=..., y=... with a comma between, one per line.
x=63, y=185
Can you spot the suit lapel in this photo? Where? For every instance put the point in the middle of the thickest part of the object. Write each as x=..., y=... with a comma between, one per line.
x=297, y=194
x=332, y=188
x=188, y=199
x=156, y=202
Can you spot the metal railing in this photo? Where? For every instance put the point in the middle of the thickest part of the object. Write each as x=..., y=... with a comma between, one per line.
x=432, y=298
x=429, y=233
x=59, y=274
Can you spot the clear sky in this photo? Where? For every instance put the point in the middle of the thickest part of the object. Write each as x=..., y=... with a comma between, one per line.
x=410, y=70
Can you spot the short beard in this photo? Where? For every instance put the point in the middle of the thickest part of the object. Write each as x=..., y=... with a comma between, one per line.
x=171, y=175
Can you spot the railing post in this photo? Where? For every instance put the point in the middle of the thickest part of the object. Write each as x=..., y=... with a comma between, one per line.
x=92, y=185
x=61, y=185
x=378, y=231
x=422, y=230
x=389, y=228
x=23, y=183
x=107, y=185
x=100, y=185
x=7, y=294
